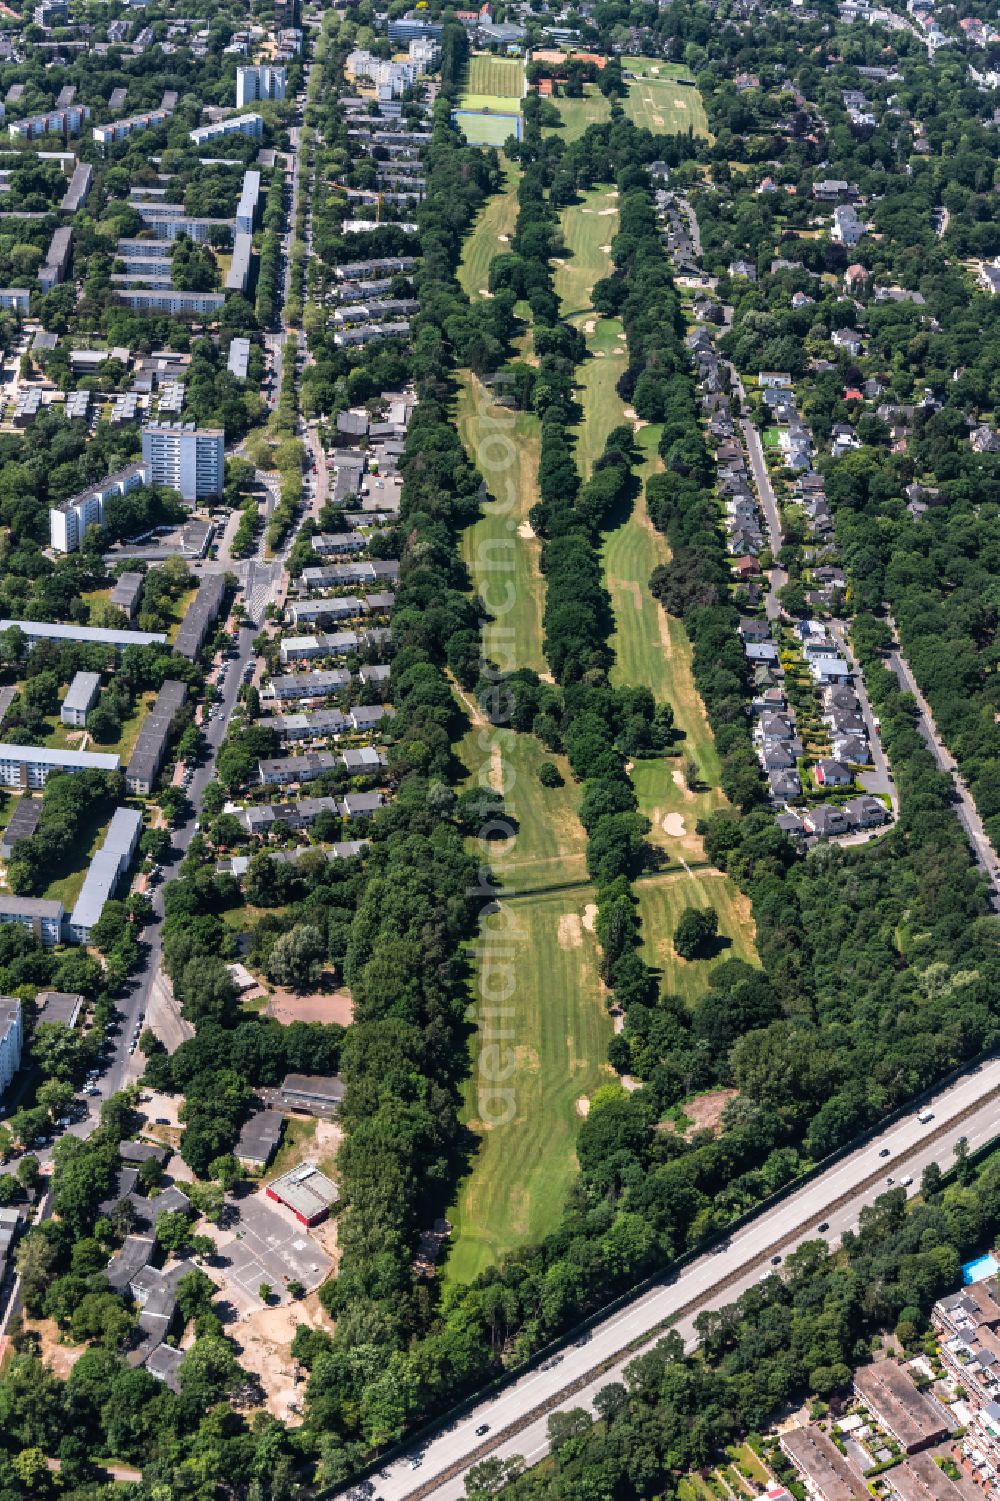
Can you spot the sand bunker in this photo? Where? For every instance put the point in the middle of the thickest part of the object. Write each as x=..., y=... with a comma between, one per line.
x=673, y=825
x=526, y=530
x=583, y=1105
x=589, y=916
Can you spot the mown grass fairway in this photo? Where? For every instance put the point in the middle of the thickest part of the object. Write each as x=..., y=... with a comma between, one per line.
x=489, y=235
x=500, y=548
x=577, y=114
x=651, y=648
x=538, y=962
x=587, y=229
x=657, y=101
x=662, y=899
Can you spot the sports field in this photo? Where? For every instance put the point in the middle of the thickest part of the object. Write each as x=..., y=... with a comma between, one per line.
x=489, y=110
x=487, y=128
x=659, y=102
x=494, y=78
x=489, y=235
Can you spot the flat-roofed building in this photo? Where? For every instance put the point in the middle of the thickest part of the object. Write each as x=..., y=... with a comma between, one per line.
x=69, y=520
x=56, y=264
x=21, y=825
x=307, y=1192
x=59, y=1006
x=246, y=209
x=79, y=186
x=312, y=1094
x=185, y=458
x=151, y=745
x=127, y=592
x=28, y=766
x=80, y=698
x=200, y=616
x=15, y=299
x=261, y=82
x=90, y=635
x=239, y=358
x=41, y=916
x=105, y=872
x=11, y=1039
x=826, y=1472
x=913, y=1419
x=119, y=130
x=245, y=125
x=238, y=275
x=172, y=301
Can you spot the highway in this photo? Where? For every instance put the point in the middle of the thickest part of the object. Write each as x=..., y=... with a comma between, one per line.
x=517, y=1417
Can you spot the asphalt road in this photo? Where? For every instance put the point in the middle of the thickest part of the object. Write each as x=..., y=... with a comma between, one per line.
x=516, y=1425
x=769, y=505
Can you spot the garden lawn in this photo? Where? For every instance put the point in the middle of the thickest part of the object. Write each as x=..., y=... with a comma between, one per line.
x=659, y=102
x=663, y=897
x=497, y=217
x=505, y=447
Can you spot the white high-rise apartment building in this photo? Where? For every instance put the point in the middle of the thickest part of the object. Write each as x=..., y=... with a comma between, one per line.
x=11, y=1039
x=261, y=82
x=185, y=458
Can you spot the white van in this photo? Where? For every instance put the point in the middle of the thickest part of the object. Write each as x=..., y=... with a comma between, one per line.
x=925, y=1116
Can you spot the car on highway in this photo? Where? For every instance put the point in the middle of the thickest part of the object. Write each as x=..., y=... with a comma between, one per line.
x=905, y=1182
x=775, y=1260
x=483, y=1428
x=823, y=1225
x=884, y=1152
x=889, y=1181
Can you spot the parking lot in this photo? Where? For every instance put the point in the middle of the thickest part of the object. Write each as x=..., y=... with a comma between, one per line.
x=266, y=1244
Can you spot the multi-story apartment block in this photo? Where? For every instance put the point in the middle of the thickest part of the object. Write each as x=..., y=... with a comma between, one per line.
x=90, y=635
x=40, y=915
x=57, y=259
x=246, y=209
x=65, y=122
x=185, y=458
x=80, y=698
x=11, y=1039
x=168, y=220
x=69, y=521
x=262, y=82
x=246, y=125
x=15, y=299
x=119, y=130
x=106, y=870
x=28, y=766
x=171, y=300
